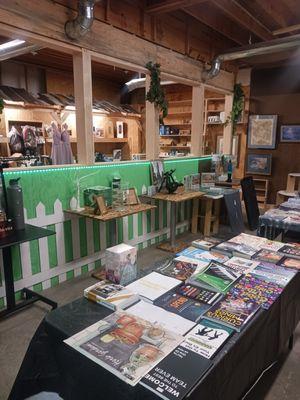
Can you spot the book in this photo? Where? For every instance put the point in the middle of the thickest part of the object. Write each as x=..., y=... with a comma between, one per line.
x=177, y=374
x=232, y=311
x=241, y=265
x=272, y=245
x=181, y=305
x=273, y=273
x=125, y=345
x=110, y=295
x=252, y=288
x=244, y=251
x=178, y=268
x=290, y=251
x=217, y=276
x=120, y=263
x=157, y=315
x=190, y=252
x=288, y=262
x=206, y=243
x=226, y=248
x=255, y=242
x=268, y=256
x=153, y=285
x=197, y=293
x=202, y=255
x=207, y=338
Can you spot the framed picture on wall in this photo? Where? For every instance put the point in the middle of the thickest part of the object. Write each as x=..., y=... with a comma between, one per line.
x=259, y=164
x=235, y=146
x=262, y=131
x=290, y=133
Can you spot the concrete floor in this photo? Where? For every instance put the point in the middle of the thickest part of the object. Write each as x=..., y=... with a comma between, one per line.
x=282, y=382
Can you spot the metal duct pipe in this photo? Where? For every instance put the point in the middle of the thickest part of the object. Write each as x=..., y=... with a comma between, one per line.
x=134, y=84
x=27, y=48
x=79, y=26
x=272, y=46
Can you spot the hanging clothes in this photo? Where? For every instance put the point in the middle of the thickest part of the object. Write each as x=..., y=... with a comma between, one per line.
x=56, y=152
x=67, y=155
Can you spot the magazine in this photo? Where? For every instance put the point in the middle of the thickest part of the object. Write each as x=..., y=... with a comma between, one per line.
x=202, y=255
x=110, y=295
x=232, y=311
x=178, y=269
x=268, y=256
x=272, y=245
x=290, y=251
x=288, y=262
x=217, y=276
x=241, y=265
x=196, y=293
x=252, y=288
x=177, y=374
x=125, y=345
x=273, y=273
x=157, y=315
x=153, y=285
x=207, y=338
x=207, y=243
x=181, y=305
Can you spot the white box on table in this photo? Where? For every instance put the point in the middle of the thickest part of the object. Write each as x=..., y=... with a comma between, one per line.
x=120, y=263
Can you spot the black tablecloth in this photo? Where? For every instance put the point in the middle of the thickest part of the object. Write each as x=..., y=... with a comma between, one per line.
x=49, y=364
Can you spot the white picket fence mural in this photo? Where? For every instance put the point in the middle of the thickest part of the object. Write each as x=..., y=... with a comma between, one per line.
x=58, y=219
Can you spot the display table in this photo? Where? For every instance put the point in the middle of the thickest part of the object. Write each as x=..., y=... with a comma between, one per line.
x=17, y=237
x=174, y=199
x=51, y=365
x=271, y=227
x=113, y=215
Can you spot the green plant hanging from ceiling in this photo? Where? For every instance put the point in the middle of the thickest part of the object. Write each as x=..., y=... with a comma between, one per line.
x=237, y=107
x=156, y=93
x=1, y=105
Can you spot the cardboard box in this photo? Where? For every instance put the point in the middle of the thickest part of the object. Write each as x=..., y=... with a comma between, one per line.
x=120, y=264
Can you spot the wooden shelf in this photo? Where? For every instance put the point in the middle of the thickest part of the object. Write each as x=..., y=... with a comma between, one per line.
x=214, y=123
x=180, y=103
x=176, y=136
x=179, y=125
x=110, y=140
x=214, y=111
x=215, y=99
x=179, y=114
x=175, y=147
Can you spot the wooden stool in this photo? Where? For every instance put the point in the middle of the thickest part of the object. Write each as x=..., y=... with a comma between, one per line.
x=210, y=215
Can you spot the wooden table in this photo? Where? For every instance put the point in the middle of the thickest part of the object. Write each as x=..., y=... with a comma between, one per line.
x=174, y=199
x=113, y=215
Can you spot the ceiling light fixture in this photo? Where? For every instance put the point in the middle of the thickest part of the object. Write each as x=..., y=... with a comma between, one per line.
x=10, y=44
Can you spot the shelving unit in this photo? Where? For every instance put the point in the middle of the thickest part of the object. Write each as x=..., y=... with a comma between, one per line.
x=213, y=106
x=262, y=189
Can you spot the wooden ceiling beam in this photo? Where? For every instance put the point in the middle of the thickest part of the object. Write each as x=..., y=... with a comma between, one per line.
x=224, y=26
x=287, y=29
x=277, y=11
x=243, y=18
x=171, y=5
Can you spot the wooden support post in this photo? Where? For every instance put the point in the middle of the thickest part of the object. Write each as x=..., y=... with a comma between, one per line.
x=227, y=147
x=84, y=107
x=197, y=120
x=152, y=127
x=195, y=216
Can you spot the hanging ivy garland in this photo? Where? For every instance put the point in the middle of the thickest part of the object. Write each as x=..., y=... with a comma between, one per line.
x=237, y=107
x=155, y=93
x=1, y=105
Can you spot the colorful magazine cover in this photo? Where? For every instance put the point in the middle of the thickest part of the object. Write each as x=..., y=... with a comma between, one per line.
x=291, y=251
x=232, y=311
x=206, y=243
x=251, y=288
x=273, y=273
x=125, y=345
x=181, y=305
x=289, y=262
x=178, y=269
x=241, y=265
x=218, y=276
x=196, y=293
x=268, y=256
x=207, y=338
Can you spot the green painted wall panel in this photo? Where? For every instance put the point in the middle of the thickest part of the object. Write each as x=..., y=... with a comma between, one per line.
x=140, y=224
x=82, y=237
x=54, y=281
x=52, y=249
x=84, y=269
x=38, y=287
x=70, y=275
x=120, y=230
x=68, y=241
x=96, y=235
x=16, y=262
x=130, y=227
x=35, y=256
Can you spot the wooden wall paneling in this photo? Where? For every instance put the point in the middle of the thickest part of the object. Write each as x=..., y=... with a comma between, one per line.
x=167, y=28
x=227, y=146
x=152, y=127
x=83, y=101
x=197, y=120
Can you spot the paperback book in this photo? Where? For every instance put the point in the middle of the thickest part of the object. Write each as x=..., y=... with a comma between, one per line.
x=206, y=244
x=110, y=295
x=226, y=248
x=291, y=251
x=268, y=256
x=251, y=288
x=207, y=338
x=272, y=245
x=232, y=311
x=273, y=273
x=241, y=265
x=177, y=374
x=288, y=262
x=217, y=276
x=125, y=345
x=153, y=285
x=202, y=255
x=181, y=305
x=178, y=269
x=157, y=315
x=196, y=293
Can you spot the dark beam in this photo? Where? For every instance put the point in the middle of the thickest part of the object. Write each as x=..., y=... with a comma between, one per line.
x=171, y=5
x=243, y=18
x=207, y=15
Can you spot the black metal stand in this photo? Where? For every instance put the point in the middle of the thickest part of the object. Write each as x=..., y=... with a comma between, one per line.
x=29, y=233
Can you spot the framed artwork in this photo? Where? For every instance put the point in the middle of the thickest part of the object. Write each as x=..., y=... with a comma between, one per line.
x=157, y=172
x=131, y=197
x=235, y=146
x=262, y=131
x=259, y=164
x=290, y=133
x=100, y=205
